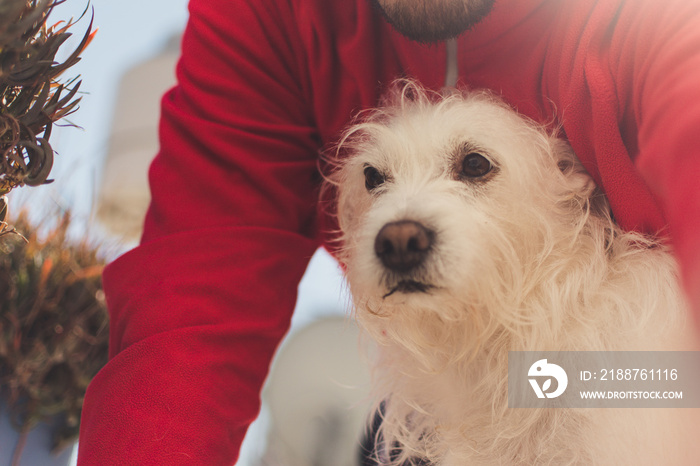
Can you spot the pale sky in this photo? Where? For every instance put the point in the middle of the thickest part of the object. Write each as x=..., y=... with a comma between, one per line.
x=130, y=31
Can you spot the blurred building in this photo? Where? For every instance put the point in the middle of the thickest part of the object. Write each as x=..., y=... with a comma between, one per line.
x=124, y=194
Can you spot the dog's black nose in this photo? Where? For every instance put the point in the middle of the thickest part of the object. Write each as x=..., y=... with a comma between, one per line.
x=403, y=245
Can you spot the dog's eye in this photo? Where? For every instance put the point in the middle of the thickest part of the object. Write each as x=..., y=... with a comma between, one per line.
x=373, y=178
x=475, y=165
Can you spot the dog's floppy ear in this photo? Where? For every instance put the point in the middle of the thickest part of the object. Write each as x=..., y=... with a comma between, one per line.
x=345, y=210
x=579, y=183
x=349, y=197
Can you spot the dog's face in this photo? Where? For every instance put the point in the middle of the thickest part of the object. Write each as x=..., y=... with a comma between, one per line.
x=443, y=205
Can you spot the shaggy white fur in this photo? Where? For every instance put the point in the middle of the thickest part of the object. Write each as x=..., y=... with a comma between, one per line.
x=513, y=249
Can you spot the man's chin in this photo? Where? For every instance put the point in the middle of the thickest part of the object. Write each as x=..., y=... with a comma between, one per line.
x=430, y=21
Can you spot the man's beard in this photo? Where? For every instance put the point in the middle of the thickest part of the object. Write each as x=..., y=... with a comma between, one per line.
x=430, y=21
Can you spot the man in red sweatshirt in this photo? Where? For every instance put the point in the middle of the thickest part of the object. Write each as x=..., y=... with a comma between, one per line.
x=199, y=307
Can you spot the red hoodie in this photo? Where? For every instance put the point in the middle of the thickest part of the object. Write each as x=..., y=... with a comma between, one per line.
x=199, y=308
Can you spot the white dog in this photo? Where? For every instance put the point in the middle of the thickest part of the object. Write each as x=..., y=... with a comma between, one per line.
x=469, y=231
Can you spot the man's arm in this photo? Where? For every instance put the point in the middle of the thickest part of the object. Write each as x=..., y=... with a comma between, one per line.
x=667, y=104
x=198, y=309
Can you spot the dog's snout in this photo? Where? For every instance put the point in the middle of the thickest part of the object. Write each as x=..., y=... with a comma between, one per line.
x=403, y=245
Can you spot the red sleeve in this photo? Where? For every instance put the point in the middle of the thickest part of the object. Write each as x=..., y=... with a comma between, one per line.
x=198, y=309
x=666, y=64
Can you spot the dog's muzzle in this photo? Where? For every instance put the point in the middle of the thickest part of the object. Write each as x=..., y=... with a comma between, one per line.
x=403, y=246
